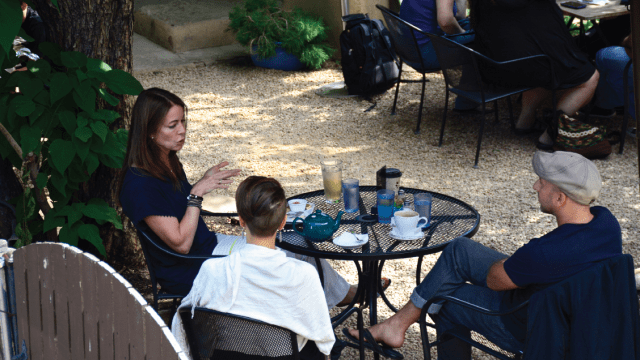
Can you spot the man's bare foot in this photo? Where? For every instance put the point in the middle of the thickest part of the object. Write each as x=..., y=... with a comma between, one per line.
x=384, y=333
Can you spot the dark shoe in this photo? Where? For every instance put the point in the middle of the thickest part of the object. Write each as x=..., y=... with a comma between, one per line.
x=545, y=147
x=598, y=112
x=632, y=133
x=371, y=344
x=525, y=132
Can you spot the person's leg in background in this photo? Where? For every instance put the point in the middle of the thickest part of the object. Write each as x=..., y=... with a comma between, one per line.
x=571, y=100
x=462, y=104
x=610, y=63
x=336, y=288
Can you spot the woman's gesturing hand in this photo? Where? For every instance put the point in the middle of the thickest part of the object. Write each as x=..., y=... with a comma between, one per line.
x=214, y=178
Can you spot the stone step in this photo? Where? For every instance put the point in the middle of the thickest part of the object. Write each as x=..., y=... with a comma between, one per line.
x=182, y=26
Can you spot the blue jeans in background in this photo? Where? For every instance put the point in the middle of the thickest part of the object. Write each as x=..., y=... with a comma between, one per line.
x=461, y=271
x=610, y=62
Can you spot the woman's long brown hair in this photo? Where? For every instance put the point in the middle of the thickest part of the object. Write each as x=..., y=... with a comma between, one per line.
x=147, y=117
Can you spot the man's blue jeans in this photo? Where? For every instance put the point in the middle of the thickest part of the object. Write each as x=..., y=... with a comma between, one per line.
x=610, y=62
x=461, y=271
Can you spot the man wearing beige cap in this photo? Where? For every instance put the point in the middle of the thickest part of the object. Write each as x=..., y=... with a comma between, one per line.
x=568, y=184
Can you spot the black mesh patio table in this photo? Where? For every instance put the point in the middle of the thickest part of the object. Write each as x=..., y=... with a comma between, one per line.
x=450, y=218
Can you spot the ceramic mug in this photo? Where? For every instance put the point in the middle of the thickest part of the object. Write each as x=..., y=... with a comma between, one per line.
x=408, y=222
x=297, y=205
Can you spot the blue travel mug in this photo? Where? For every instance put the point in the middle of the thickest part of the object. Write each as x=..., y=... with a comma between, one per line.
x=385, y=205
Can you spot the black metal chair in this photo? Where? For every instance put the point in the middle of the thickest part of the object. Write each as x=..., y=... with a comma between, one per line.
x=150, y=242
x=609, y=283
x=405, y=43
x=625, y=118
x=456, y=58
x=216, y=335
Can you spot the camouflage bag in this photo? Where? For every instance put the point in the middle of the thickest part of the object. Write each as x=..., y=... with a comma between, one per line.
x=587, y=140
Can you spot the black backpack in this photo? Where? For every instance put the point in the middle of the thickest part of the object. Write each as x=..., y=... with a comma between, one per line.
x=369, y=63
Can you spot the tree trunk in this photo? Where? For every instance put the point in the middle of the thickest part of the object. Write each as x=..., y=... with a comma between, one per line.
x=9, y=188
x=101, y=29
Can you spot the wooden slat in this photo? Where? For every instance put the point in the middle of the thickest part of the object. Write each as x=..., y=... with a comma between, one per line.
x=22, y=303
x=91, y=309
x=33, y=289
x=48, y=256
x=60, y=277
x=104, y=277
x=170, y=348
x=121, y=317
x=154, y=334
x=136, y=324
x=74, y=259
x=88, y=310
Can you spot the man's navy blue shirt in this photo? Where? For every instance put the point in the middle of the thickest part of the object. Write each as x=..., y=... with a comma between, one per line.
x=563, y=252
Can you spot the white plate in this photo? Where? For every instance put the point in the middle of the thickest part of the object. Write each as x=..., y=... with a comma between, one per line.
x=292, y=214
x=415, y=236
x=350, y=241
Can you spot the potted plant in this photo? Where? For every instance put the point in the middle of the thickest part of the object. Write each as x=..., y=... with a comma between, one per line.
x=280, y=39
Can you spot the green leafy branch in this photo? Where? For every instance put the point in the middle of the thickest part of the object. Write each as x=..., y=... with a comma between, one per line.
x=54, y=131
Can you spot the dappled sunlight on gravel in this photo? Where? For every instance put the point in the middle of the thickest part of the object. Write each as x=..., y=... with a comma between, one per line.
x=271, y=123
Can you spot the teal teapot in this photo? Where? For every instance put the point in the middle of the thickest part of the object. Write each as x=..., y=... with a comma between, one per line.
x=318, y=227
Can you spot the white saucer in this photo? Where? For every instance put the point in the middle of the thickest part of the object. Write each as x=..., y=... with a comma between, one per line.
x=292, y=214
x=350, y=241
x=415, y=236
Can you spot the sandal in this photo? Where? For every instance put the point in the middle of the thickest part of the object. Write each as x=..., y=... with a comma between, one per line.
x=371, y=344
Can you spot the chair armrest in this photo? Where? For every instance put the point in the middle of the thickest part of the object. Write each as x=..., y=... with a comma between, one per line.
x=522, y=60
x=469, y=305
x=157, y=246
x=466, y=33
x=209, y=213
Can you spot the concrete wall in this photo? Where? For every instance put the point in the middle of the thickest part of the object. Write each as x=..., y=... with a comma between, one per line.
x=331, y=12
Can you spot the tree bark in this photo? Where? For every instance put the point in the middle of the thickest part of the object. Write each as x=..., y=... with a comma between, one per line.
x=9, y=188
x=101, y=29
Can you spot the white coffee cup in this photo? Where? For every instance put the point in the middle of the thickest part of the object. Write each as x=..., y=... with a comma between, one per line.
x=408, y=222
x=297, y=205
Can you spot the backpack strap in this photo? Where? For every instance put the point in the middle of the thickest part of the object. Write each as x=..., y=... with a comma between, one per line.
x=385, y=39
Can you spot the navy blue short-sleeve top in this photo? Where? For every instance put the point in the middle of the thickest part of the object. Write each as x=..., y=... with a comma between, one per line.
x=559, y=254
x=143, y=195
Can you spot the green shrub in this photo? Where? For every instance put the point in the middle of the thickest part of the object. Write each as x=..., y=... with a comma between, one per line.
x=263, y=23
x=55, y=133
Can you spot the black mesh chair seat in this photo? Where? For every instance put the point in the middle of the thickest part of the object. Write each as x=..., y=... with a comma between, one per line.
x=216, y=335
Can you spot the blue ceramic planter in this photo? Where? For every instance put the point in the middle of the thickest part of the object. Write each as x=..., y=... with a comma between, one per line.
x=282, y=60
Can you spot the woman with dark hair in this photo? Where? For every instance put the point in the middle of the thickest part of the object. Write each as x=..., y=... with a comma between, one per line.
x=259, y=281
x=154, y=187
x=511, y=29
x=154, y=191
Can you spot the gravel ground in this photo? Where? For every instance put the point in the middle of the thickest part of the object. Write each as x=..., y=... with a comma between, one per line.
x=272, y=123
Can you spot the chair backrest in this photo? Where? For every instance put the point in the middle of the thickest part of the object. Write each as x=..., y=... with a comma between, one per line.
x=403, y=35
x=157, y=254
x=216, y=335
x=453, y=57
x=591, y=315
